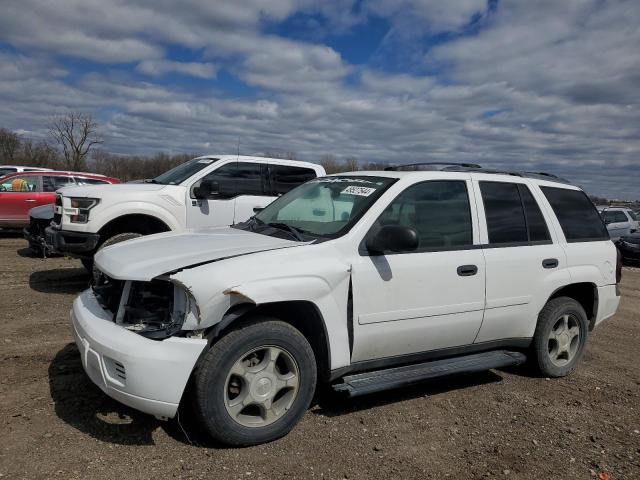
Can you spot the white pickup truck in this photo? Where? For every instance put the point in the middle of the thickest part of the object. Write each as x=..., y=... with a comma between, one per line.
x=208, y=191
x=367, y=280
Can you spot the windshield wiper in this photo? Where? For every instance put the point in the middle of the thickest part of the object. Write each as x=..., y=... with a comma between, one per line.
x=150, y=180
x=295, y=232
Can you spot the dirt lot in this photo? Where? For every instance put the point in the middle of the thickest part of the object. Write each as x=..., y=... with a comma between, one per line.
x=504, y=424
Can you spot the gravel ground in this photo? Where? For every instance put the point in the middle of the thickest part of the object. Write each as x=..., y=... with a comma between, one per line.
x=500, y=424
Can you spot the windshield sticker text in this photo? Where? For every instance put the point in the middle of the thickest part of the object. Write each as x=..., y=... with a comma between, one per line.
x=356, y=190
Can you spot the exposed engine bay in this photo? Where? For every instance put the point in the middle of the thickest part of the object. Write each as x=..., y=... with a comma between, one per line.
x=155, y=309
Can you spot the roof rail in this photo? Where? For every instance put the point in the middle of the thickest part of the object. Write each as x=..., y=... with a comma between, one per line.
x=474, y=167
x=446, y=164
x=545, y=175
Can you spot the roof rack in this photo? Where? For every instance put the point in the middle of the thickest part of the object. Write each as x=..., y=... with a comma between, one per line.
x=432, y=164
x=474, y=167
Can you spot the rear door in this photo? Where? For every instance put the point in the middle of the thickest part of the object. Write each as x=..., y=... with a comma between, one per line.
x=17, y=196
x=523, y=263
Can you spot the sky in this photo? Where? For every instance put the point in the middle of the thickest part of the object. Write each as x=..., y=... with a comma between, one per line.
x=541, y=85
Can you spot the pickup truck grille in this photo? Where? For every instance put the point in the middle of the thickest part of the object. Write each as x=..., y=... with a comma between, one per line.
x=57, y=217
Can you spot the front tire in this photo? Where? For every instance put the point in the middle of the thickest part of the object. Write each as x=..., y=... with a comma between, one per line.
x=255, y=383
x=560, y=337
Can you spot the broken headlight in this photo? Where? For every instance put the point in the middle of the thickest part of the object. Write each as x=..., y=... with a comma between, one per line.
x=157, y=309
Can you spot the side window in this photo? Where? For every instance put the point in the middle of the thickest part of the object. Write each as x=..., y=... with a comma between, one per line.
x=21, y=184
x=620, y=217
x=506, y=221
x=578, y=217
x=438, y=210
x=614, y=216
x=536, y=225
x=51, y=183
x=285, y=178
x=633, y=216
x=237, y=178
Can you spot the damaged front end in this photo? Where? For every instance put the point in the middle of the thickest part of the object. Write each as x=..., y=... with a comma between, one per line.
x=156, y=309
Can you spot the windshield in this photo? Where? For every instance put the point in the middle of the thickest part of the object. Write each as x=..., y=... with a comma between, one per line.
x=179, y=174
x=325, y=207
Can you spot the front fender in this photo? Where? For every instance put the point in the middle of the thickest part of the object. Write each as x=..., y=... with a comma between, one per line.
x=328, y=295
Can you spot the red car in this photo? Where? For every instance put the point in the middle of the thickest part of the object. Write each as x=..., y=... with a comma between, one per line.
x=20, y=192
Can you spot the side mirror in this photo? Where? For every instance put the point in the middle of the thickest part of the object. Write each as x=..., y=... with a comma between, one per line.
x=206, y=189
x=393, y=238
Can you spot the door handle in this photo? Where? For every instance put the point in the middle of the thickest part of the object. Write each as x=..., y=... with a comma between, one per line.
x=29, y=200
x=467, y=270
x=550, y=263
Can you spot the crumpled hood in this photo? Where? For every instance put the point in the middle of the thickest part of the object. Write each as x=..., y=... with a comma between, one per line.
x=145, y=258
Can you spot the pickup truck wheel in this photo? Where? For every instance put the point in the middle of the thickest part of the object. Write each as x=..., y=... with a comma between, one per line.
x=120, y=237
x=560, y=337
x=255, y=383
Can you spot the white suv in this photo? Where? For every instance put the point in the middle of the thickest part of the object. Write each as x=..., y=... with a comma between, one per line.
x=367, y=280
x=620, y=221
x=209, y=191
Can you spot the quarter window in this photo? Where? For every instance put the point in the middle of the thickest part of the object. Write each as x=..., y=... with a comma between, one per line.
x=438, y=210
x=578, y=217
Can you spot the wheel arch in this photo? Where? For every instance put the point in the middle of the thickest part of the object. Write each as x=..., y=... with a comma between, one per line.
x=142, y=223
x=585, y=293
x=303, y=315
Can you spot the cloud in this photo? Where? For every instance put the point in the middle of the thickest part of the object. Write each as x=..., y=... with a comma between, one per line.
x=533, y=86
x=161, y=67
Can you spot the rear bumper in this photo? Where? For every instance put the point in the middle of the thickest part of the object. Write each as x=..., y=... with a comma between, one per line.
x=145, y=374
x=74, y=243
x=608, y=301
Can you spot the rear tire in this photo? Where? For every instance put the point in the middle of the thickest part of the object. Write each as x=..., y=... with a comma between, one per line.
x=255, y=383
x=119, y=237
x=560, y=337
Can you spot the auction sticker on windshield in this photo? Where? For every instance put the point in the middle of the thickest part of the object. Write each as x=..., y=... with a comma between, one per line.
x=357, y=190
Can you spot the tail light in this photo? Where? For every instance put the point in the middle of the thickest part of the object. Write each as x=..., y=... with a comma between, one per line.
x=618, y=265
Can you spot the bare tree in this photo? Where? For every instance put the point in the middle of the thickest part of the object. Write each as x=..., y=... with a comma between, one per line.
x=351, y=164
x=330, y=163
x=76, y=133
x=9, y=144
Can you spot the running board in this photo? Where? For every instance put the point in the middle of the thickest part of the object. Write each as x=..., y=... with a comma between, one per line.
x=379, y=380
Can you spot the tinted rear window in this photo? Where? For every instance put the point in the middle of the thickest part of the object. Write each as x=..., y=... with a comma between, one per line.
x=538, y=231
x=578, y=217
x=505, y=216
x=285, y=178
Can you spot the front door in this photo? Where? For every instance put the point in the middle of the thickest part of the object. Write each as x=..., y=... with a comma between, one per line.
x=429, y=299
x=239, y=190
x=17, y=196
